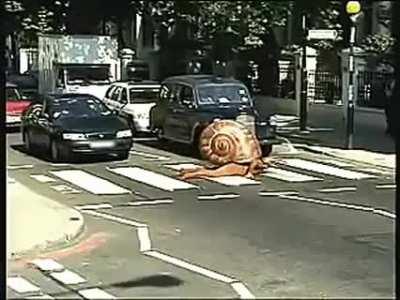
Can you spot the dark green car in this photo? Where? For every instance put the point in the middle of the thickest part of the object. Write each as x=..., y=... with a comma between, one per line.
x=188, y=103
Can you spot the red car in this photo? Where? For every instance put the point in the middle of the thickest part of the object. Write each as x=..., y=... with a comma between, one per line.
x=15, y=105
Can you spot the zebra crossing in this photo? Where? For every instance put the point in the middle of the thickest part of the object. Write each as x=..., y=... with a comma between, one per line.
x=68, y=179
x=64, y=277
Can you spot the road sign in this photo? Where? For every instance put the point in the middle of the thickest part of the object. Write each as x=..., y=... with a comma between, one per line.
x=322, y=34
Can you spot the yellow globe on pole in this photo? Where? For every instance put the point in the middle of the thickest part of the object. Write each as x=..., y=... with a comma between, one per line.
x=353, y=7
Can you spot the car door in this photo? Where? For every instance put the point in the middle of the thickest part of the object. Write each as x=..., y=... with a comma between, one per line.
x=41, y=127
x=176, y=123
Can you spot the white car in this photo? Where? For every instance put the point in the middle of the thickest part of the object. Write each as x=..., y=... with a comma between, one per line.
x=133, y=100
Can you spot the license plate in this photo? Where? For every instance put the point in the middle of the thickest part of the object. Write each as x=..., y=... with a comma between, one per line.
x=101, y=144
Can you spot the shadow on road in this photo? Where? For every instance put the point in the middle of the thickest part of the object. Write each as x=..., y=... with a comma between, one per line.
x=159, y=280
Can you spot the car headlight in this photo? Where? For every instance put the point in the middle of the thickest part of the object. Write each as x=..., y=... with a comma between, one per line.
x=124, y=133
x=74, y=136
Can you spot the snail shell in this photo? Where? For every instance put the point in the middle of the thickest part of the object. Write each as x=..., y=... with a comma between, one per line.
x=227, y=141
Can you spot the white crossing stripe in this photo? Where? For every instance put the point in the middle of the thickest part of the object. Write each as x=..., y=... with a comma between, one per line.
x=242, y=290
x=44, y=297
x=90, y=183
x=325, y=169
x=191, y=267
x=233, y=180
x=339, y=204
x=145, y=139
x=183, y=166
x=42, y=178
x=150, y=202
x=65, y=189
x=338, y=189
x=289, y=176
x=276, y=193
x=21, y=285
x=19, y=167
x=144, y=239
x=337, y=163
x=154, y=179
x=149, y=155
x=47, y=264
x=216, y=197
x=386, y=186
x=10, y=180
x=68, y=277
x=95, y=293
x=94, y=206
x=114, y=218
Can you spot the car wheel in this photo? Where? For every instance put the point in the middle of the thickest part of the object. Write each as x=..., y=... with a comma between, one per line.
x=266, y=150
x=27, y=141
x=123, y=155
x=55, y=154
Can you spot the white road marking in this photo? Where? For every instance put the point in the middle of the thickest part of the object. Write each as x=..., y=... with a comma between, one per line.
x=276, y=193
x=94, y=206
x=59, y=165
x=233, y=180
x=47, y=265
x=289, y=176
x=151, y=202
x=65, y=189
x=19, y=167
x=184, y=166
x=145, y=139
x=114, y=218
x=154, y=179
x=149, y=155
x=216, y=197
x=189, y=266
x=337, y=163
x=68, y=277
x=42, y=178
x=95, y=293
x=44, y=297
x=338, y=189
x=144, y=239
x=344, y=205
x=242, y=290
x=325, y=169
x=21, y=285
x=10, y=180
x=386, y=186
x=90, y=183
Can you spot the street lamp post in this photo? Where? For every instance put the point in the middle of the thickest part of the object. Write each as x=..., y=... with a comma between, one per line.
x=352, y=8
x=303, y=98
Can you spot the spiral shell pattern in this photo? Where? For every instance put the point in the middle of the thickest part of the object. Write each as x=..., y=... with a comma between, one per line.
x=227, y=141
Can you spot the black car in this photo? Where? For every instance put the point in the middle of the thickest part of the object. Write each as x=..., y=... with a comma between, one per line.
x=188, y=103
x=69, y=124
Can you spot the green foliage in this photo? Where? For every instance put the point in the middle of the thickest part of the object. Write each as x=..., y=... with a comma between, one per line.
x=378, y=43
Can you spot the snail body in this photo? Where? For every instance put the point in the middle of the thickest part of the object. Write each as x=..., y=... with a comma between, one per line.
x=230, y=146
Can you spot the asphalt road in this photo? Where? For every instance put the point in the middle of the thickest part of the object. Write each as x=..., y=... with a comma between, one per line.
x=312, y=243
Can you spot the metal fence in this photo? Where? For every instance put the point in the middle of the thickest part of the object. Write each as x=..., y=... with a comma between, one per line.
x=323, y=86
x=373, y=88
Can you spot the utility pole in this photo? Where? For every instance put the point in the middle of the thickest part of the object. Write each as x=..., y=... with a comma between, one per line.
x=303, y=97
x=352, y=8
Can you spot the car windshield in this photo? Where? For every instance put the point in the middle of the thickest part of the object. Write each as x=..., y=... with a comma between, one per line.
x=78, y=108
x=89, y=75
x=12, y=94
x=143, y=95
x=223, y=94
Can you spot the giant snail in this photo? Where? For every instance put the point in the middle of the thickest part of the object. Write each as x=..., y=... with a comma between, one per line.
x=233, y=148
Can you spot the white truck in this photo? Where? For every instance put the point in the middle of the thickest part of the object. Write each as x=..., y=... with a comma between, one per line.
x=77, y=64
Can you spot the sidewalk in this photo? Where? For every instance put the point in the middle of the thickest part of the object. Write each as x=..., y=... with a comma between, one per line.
x=35, y=223
x=327, y=132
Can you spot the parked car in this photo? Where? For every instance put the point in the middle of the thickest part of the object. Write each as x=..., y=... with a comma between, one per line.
x=15, y=105
x=133, y=101
x=66, y=125
x=189, y=103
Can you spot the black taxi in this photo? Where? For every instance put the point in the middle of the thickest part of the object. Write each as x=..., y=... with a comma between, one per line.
x=188, y=103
